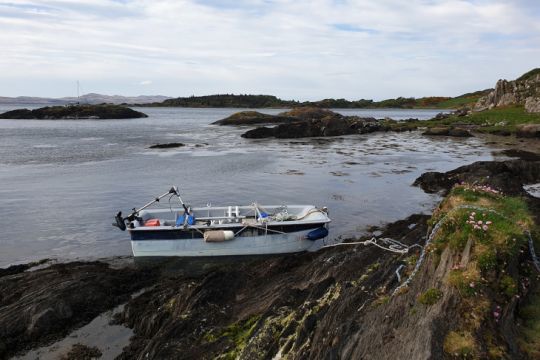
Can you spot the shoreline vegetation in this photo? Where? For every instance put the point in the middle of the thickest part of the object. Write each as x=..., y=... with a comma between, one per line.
x=474, y=295
x=511, y=108
x=270, y=101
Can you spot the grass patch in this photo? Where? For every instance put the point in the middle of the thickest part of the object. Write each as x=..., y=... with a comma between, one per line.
x=430, y=297
x=498, y=121
x=495, y=223
x=460, y=344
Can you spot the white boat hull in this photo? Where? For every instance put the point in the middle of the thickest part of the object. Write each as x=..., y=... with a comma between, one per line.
x=244, y=245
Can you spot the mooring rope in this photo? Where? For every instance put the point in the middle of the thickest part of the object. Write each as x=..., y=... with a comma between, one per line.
x=535, y=260
x=392, y=245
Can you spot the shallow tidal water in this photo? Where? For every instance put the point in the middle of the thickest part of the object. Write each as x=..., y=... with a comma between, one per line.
x=61, y=182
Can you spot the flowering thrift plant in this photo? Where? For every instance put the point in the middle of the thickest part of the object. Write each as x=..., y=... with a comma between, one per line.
x=478, y=224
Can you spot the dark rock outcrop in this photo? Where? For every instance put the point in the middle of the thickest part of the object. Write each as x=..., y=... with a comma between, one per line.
x=506, y=176
x=328, y=126
x=167, y=146
x=314, y=122
x=75, y=112
x=523, y=91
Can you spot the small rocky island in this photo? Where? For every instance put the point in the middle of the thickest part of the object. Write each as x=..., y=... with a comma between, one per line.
x=70, y=112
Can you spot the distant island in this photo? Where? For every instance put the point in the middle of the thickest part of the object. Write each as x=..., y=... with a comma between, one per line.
x=270, y=101
x=75, y=112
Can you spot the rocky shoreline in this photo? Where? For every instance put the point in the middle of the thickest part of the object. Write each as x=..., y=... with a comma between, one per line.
x=334, y=303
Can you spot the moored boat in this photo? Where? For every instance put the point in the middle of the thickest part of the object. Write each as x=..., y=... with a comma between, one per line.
x=223, y=230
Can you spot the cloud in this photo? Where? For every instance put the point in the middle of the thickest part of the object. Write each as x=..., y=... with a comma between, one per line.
x=293, y=49
x=145, y=82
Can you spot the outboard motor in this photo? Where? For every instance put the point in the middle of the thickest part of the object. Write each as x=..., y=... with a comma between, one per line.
x=119, y=221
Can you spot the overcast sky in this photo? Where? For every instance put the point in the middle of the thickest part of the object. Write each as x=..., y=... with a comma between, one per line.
x=295, y=49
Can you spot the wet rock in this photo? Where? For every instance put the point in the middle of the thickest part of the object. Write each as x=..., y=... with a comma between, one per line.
x=327, y=126
x=46, y=304
x=75, y=112
x=259, y=133
x=506, y=176
x=167, y=146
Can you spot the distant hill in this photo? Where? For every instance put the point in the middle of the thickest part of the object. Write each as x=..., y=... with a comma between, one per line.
x=91, y=99
x=256, y=101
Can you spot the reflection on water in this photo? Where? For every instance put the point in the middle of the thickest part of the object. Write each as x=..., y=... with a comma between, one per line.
x=63, y=181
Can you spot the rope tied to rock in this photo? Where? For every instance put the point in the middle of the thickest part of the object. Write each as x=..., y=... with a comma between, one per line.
x=382, y=243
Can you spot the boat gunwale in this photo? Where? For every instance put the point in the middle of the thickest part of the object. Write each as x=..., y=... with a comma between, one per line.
x=230, y=225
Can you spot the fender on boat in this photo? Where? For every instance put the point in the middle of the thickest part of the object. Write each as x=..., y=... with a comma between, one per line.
x=317, y=234
x=218, y=235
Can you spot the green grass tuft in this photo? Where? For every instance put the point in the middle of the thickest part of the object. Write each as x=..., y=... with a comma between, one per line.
x=430, y=297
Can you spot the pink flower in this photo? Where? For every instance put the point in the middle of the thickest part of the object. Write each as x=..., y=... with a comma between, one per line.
x=485, y=227
x=479, y=222
x=472, y=285
x=488, y=223
x=476, y=227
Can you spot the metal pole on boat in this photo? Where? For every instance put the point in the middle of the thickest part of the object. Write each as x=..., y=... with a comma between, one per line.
x=120, y=221
x=174, y=190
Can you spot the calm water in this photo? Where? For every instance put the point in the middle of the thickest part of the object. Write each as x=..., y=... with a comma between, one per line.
x=61, y=182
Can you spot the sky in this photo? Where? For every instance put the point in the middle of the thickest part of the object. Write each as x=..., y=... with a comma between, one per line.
x=297, y=49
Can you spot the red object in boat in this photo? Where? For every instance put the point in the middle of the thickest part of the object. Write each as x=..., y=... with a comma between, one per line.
x=151, y=222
